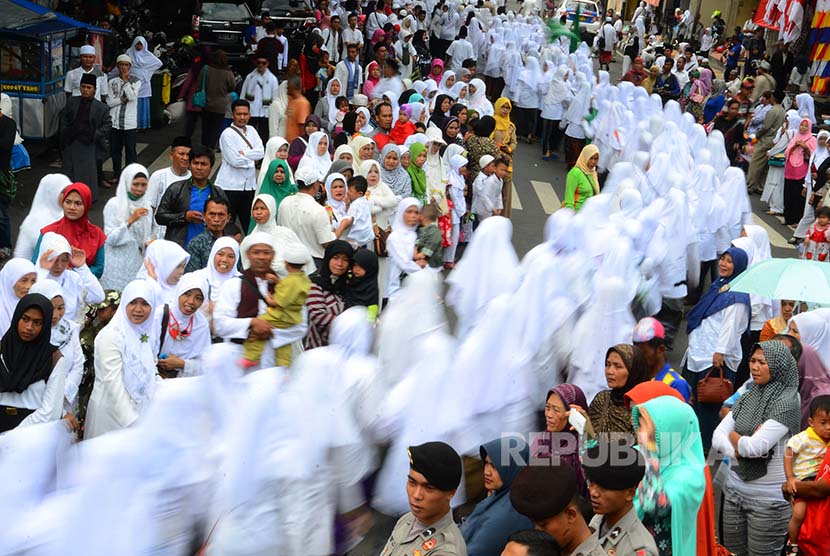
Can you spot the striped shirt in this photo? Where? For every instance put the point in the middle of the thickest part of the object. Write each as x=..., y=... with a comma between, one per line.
x=122, y=99
x=323, y=307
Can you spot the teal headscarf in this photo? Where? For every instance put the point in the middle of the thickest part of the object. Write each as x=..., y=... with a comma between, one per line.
x=680, y=451
x=275, y=190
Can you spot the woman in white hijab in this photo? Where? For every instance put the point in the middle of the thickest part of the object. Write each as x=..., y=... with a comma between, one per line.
x=362, y=149
x=143, y=67
x=264, y=213
x=326, y=108
x=774, y=184
x=130, y=226
x=65, y=337
x=526, y=97
x=221, y=266
x=125, y=362
x=813, y=329
x=447, y=83
x=478, y=98
x=79, y=285
x=489, y=268
x=164, y=264
x=16, y=279
x=456, y=185
x=45, y=209
x=276, y=147
x=367, y=127
x=806, y=106
x=316, y=155
x=401, y=244
x=816, y=159
x=277, y=111
x=186, y=331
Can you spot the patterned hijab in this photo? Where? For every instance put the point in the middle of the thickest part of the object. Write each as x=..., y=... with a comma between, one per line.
x=778, y=400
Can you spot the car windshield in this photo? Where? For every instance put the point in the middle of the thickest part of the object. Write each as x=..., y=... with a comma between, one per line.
x=583, y=7
x=221, y=11
x=278, y=6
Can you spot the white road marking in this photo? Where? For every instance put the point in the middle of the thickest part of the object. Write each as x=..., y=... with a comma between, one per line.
x=775, y=237
x=514, y=200
x=161, y=161
x=547, y=196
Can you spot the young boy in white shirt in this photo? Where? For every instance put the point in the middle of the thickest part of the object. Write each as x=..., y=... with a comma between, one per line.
x=361, y=232
x=487, y=200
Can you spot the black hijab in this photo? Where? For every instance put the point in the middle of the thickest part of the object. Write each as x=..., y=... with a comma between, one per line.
x=24, y=363
x=484, y=126
x=323, y=277
x=349, y=123
x=438, y=117
x=364, y=291
x=447, y=121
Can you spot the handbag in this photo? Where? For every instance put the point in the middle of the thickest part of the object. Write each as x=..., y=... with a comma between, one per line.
x=200, y=96
x=714, y=389
x=381, y=236
x=697, y=98
x=777, y=160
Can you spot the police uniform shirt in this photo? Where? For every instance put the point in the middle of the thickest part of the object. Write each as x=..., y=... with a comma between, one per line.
x=589, y=547
x=628, y=537
x=412, y=538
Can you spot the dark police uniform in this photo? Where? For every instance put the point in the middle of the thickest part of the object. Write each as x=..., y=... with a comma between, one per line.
x=628, y=537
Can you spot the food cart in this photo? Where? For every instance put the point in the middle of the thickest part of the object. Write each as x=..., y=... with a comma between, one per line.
x=33, y=62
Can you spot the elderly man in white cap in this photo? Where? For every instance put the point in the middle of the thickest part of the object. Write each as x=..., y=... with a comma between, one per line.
x=72, y=81
x=243, y=298
x=307, y=218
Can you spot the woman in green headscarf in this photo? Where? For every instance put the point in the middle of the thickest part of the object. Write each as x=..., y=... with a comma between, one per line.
x=418, y=155
x=670, y=494
x=277, y=184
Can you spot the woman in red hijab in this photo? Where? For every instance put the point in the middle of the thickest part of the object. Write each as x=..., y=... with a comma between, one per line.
x=75, y=226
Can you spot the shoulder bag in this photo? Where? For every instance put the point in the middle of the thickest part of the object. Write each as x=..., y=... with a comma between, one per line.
x=714, y=389
x=200, y=96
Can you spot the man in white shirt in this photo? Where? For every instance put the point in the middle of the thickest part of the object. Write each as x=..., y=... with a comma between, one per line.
x=259, y=89
x=72, y=81
x=241, y=147
x=307, y=218
x=178, y=170
x=607, y=38
x=122, y=98
x=461, y=49
x=680, y=72
x=261, y=31
x=450, y=22
x=235, y=315
x=352, y=35
x=333, y=39
x=282, y=59
x=375, y=20
x=349, y=72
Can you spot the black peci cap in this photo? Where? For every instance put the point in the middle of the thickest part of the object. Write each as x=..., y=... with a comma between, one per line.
x=614, y=469
x=541, y=492
x=438, y=463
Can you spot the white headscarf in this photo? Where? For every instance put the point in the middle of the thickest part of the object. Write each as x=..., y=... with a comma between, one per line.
x=489, y=268
x=138, y=343
x=165, y=256
x=339, y=208
x=144, y=65
x=814, y=329
x=331, y=99
x=456, y=93
x=141, y=229
x=367, y=127
x=443, y=89
x=211, y=274
x=318, y=162
x=281, y=236
x=12, y=271
x=45, y=209
x=195, y=342
x=806, y=106
x=271, y=148
x=478, y=100
x=255, y=238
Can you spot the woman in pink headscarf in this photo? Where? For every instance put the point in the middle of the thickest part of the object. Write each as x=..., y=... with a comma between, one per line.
x=436, y=72
x=798, y=154
x=699, y=93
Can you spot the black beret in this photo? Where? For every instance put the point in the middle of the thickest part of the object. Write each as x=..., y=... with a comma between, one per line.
x=614, y=466
x=89, y=79
x=543, y=491
x=181, y=141
x=438, y=463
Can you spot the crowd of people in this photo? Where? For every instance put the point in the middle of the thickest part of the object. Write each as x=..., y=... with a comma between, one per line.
x=256, y=360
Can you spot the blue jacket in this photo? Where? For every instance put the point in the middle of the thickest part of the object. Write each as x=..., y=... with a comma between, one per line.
x=486, y=530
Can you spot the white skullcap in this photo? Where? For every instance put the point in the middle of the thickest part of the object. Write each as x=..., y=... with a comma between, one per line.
x=296, y=253
x=87, y=49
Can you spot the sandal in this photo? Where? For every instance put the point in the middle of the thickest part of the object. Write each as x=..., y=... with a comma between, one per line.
x=791, y=548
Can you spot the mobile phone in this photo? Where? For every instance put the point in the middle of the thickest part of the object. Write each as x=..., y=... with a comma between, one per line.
x=577, y=421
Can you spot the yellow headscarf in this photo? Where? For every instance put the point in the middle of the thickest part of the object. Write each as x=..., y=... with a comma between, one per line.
x=503, y=123
x=582, y=163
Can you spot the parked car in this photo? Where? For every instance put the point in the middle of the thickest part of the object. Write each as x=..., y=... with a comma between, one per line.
x=224, y=24
x=590, y=16
x=297, y=17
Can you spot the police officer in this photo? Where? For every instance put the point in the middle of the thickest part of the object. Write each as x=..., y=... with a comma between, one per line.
x=613, y=471
x=428, y=528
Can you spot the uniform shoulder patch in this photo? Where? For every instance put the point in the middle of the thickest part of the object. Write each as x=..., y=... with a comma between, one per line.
x=429, y=545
